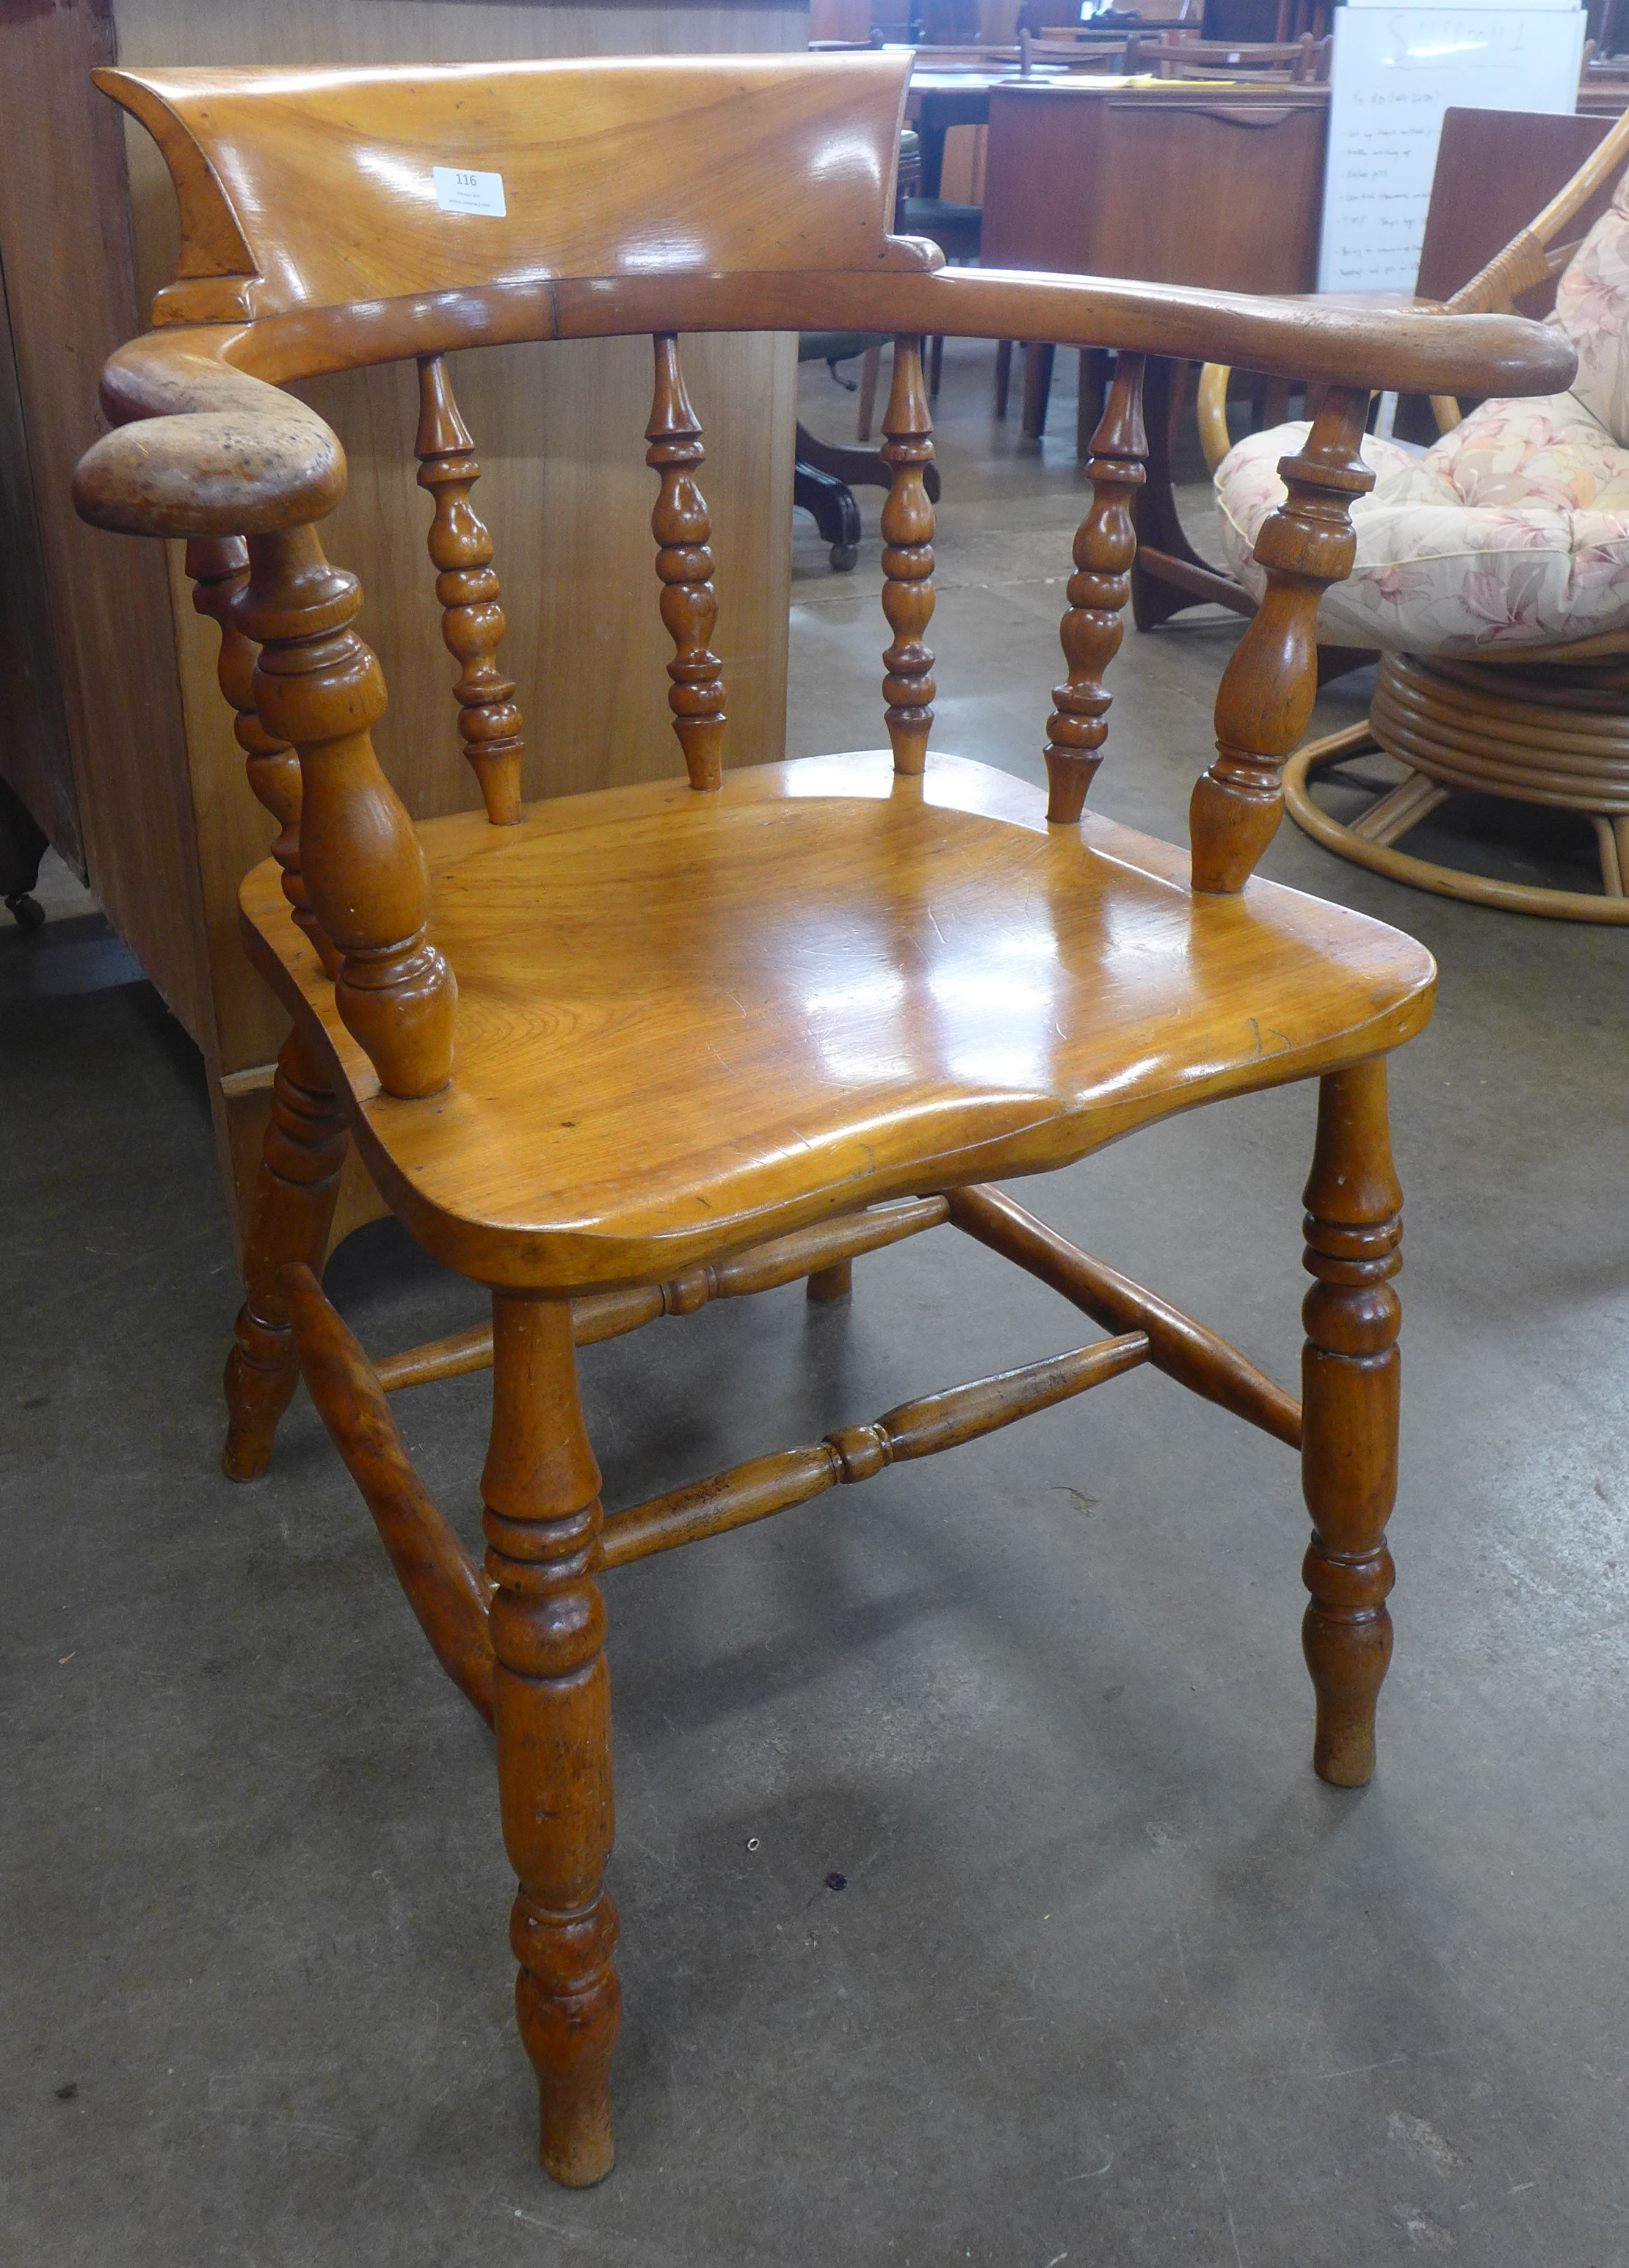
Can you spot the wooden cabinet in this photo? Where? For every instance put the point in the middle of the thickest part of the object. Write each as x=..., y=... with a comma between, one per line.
x=1177, y=184
x=111, y=726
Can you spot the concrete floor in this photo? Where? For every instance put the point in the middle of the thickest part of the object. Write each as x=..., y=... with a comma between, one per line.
x=1112, y=1979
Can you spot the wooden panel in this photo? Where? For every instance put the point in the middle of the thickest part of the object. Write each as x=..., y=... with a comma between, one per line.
x=1496, y=169
x=64, y=243
x=1222, y=191
x=33, y=731
x=1249, y=193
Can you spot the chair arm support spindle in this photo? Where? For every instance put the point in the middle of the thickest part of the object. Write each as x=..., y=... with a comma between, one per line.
x=1269, y=685
x=219, y=569
x=319, y=686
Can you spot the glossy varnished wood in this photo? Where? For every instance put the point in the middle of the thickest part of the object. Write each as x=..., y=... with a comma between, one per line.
x=1350, y=1376
x=552, y=1717
x=1271, y=680
x=639, y=1050
x=1104, y=548
x=921, y=1428
x=168, y=818
x=467, y=586
x=295, y=1192
x=690, y=605
x=908, y=688
x=448, y=1595
x=318, y=689
x=828, y=983
x=825, y=1254
x=1197, y=1357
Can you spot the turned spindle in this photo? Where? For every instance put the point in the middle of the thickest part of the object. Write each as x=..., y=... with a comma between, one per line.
x=1105, y=545
x=1349, y=1414
x=318, y=686
x=1269, y=685
x=682, y=528
x=472, y=619
x=552, y=1717
x=220, y=568
x=908, y=561
x=295, y=1193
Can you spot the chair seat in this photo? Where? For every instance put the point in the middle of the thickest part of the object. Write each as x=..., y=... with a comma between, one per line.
x=688, y=1021
x=1511, y=530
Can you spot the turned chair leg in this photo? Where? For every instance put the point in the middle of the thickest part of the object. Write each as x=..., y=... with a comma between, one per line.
x=293, y=1211
x=1003, y=375
x=828, y=1285
x=553, y=1722
x=1349, y=1401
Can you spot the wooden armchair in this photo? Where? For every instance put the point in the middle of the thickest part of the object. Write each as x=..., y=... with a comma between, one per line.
x=618, y=1054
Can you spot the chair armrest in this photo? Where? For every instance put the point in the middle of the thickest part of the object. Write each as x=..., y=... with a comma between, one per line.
x=1386, y=344
x=1383, y=344
x=202, y=449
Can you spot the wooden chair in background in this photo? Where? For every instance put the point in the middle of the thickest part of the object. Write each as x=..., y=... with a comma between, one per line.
x=621, y=1054
x=1303, y=62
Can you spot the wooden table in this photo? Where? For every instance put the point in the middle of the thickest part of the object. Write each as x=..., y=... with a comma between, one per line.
x=111, y=727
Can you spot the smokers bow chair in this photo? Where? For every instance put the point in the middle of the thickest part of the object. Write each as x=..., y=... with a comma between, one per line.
x=619, y=1053
x=1492, y=577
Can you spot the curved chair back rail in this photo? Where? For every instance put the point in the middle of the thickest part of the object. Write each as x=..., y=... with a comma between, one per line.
x=313, y=240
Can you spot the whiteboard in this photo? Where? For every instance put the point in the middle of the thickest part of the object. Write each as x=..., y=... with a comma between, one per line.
x=1396, y=71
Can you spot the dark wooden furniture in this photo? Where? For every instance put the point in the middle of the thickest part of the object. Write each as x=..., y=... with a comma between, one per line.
x=1495, y=169
x=22, y=847
x=109, y=724
x=619, y=1053
x=1221, y=189
x=1264, y=19
x=1302, y=62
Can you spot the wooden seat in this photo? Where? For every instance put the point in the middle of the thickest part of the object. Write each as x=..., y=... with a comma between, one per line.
x=913, y=982
x=618, y=1055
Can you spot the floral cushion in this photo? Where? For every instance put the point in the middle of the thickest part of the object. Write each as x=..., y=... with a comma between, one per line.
x=1511, y=530
x=1592, y=307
